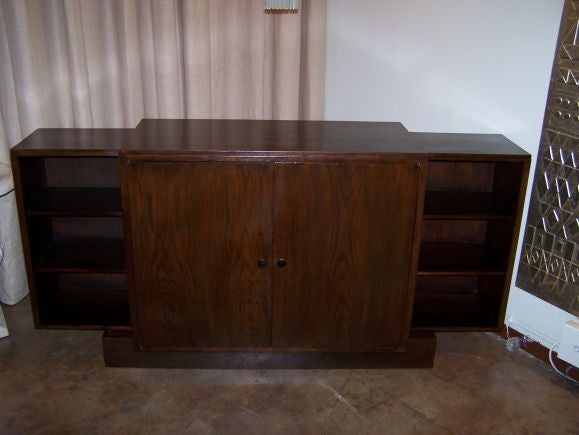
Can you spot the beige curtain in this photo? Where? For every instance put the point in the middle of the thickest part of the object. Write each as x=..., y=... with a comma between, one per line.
x=109, y=63
x=95, y=63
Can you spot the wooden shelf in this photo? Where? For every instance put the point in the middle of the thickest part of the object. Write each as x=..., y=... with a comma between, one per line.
x=457, y=259
x=470, y=210
x=82, y=308
x=457, y=303
x=467, y=205
x=75, y=201
x=72, y=207
x=452, y=312
x=83, y=255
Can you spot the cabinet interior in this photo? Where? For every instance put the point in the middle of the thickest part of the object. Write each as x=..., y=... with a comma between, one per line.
x=74, y=221
x=75, y=228
x=82, y=300
x=456, y=302
x=469, y=216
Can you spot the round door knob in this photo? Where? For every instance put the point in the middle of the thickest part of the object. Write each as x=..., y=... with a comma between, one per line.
x=281, y=262
x=262, y=262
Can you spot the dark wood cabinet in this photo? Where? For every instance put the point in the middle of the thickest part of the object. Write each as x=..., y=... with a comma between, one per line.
x=269, y=243
x=231, y=255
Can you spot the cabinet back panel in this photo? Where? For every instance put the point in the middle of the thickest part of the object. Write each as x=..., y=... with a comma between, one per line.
x=93, y=280
x=447, y=284
x=470, y=231
x=73, y=227
x=33, y=172
x=463, y=176
x=457, y=302
x=498, y=241
x=82, y=172
x=77, y=307
x=507, y=181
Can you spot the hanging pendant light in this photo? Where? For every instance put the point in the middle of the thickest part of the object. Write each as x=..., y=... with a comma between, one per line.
x=281, y=5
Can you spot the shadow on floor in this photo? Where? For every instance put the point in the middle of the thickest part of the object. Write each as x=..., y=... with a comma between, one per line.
x=56, y=382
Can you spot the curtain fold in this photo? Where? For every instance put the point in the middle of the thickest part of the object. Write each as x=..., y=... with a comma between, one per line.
x=85, y=63
x=109, y=63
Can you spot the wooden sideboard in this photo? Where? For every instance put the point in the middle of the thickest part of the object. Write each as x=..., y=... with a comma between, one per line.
x=269, y=244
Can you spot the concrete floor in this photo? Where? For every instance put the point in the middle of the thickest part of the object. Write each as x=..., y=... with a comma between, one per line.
x=54, y=382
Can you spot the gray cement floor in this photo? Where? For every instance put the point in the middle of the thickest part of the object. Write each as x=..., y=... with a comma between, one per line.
x=54, y=382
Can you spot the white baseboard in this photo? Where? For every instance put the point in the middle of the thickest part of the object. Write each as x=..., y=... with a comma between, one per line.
x=535, y=318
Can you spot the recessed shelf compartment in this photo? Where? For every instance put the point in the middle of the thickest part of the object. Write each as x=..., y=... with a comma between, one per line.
x=82, y=255
x=83, y=301
x=75, y=201
x=458, y=302
x=75, y=231
x=472, y=190
x=470, y=210
x=70, y=171
x=71, y=186
x=468, y=205
x=452, y=258
x=82, y=244
x=464, y=246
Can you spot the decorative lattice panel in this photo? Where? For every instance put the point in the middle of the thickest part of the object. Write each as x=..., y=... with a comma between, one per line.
x=549, y=266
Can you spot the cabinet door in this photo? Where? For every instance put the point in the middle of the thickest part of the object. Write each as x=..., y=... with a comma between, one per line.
x=196, y=233
x=346, y=233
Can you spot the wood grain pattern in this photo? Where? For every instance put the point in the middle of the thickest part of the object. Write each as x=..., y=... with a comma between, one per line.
x=264, y=137
x=463, y=176
x=197, y=232
x=346, y=231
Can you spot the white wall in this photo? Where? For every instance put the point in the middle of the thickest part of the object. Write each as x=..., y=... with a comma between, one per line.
x=480, y=66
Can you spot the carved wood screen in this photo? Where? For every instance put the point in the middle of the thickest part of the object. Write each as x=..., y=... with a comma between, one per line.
x=549, y=265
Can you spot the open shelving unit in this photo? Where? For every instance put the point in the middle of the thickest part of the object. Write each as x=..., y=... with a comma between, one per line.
x=470, y=211
x=268, y=244
x=73, y=220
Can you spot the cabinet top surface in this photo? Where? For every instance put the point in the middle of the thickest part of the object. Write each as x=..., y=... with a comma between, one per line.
x=268, y=137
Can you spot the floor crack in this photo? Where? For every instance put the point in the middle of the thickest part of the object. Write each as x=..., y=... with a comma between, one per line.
x=343, y=400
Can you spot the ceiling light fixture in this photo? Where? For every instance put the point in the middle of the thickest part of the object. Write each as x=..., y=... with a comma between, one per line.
x=281, y=5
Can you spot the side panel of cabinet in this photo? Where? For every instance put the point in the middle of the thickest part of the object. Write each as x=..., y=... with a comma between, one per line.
x=196, y=233
x=346, y=231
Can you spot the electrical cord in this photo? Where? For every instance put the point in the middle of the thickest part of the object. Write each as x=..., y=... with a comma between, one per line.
x=526, y=339
x=551, y=350
x=541, y=337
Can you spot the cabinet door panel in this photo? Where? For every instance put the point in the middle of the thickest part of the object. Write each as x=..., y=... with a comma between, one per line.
x=346, y=231
x=196, y=233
